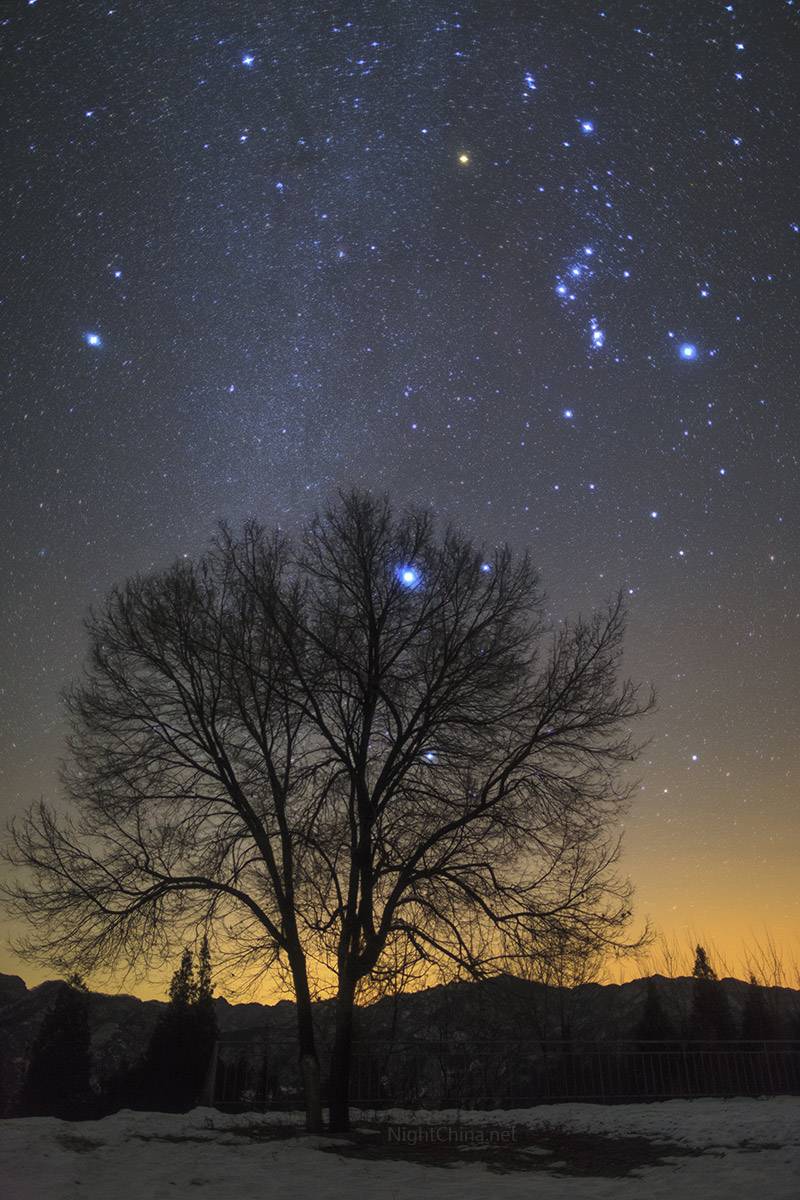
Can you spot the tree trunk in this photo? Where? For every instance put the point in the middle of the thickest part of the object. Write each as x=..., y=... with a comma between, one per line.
x=341, y=1055
x=206, y=1097
x=309, y=1062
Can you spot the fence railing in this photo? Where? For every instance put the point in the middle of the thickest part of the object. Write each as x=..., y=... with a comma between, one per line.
x=264, y=1074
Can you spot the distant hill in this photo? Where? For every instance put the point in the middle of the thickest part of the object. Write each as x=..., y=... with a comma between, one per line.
x=507, y=1007
x=504, y=1007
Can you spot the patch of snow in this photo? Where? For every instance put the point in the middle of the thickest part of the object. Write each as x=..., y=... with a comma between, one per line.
x=694, y=1123
x=155, y=1156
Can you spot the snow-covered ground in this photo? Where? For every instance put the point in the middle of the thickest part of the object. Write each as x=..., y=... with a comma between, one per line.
x=749, y=1149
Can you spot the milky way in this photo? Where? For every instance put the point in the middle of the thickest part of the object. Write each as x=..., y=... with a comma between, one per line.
x=531, y=264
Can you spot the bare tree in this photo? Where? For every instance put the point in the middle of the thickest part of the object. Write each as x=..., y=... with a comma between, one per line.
x=763, y=960
x=362, y=749
x=563, y=958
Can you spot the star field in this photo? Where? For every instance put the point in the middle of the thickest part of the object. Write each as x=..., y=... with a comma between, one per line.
x=534, y=265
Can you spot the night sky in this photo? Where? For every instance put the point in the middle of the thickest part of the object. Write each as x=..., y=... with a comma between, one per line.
x=532, y=264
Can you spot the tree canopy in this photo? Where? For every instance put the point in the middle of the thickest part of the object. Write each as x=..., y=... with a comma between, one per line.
x=362, y=746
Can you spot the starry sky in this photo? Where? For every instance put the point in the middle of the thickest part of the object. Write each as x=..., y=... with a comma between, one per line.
x=532, y=264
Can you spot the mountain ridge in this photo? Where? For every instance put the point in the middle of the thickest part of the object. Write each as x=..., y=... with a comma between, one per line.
x=501, y=1008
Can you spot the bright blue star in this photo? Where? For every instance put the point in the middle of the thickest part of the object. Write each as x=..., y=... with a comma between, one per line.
x=561, y=289
x=93, y=339
x=568, y=414
x=408, y=576
x=248, y=60
x=530, y=82
x=687, y=351
x=587, y=126
x=654, y=514
x=598, y=337
x=486, y=568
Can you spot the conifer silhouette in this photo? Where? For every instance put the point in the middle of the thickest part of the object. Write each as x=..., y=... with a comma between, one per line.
x=57, y=1083
x=176, y=1060
x=710, y=1018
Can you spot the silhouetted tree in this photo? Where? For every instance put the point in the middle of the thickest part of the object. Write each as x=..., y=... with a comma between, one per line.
x=57, y=1083
x=702, y=968
x=710, y=1017
x=563, y=959
x=205, y=1015
x=363, y=746
x=758, y=1022
x=175, y=1063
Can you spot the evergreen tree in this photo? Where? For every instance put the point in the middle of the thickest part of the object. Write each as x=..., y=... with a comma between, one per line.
x=183, y=988
x=702, y=966
x=57, y=1083
x=654, y=1024
x=710, y=1018
x=204, y=987
x=175, y=1064
x=758, y=1023
x=205, y=1015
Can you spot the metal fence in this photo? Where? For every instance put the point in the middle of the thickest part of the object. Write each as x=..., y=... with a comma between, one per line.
x=505, y=1074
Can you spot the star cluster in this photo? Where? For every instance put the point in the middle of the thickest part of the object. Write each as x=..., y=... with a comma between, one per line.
x=534, y=266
